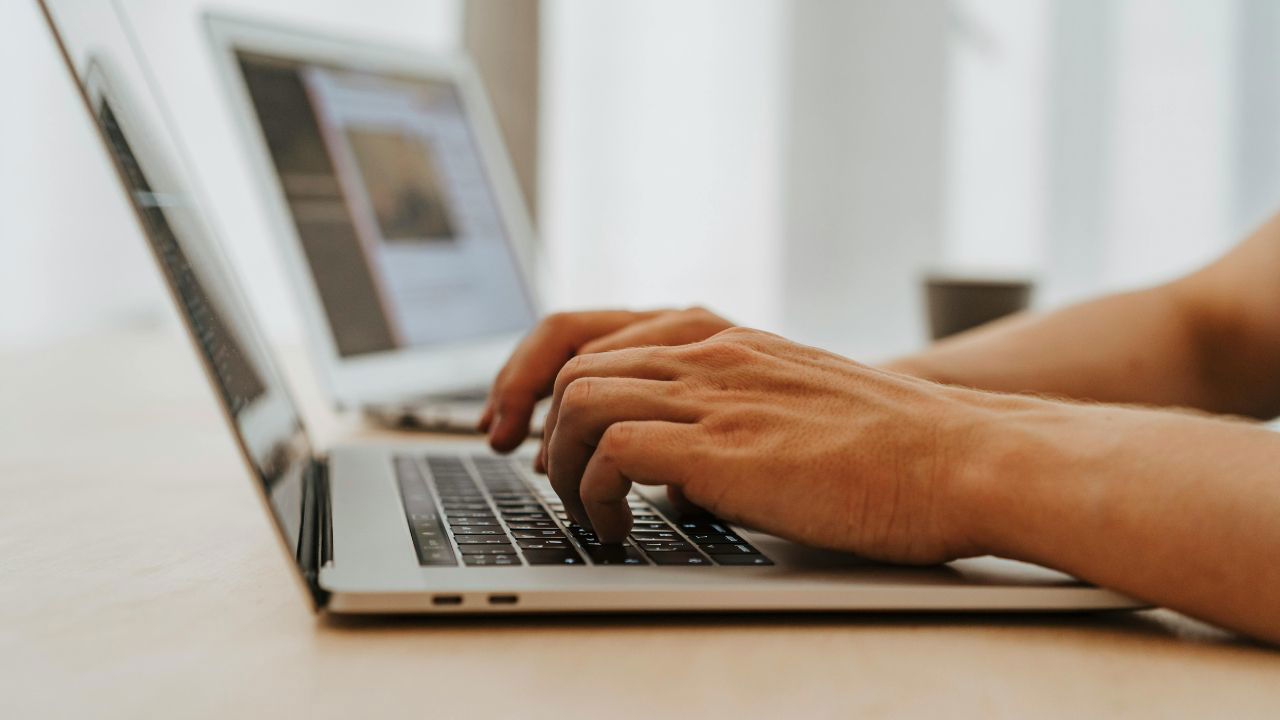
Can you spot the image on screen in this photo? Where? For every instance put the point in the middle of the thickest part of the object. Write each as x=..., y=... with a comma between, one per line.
x=399, y=175
x=403, y=237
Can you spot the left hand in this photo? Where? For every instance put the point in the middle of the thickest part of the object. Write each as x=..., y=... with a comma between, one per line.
x=780, y=437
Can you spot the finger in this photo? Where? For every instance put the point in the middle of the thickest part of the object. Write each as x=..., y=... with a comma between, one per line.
x=591, y=405
x=528, y=375
x=673, y=328
x=646, y=363
x=646, y=452
x=683, y=506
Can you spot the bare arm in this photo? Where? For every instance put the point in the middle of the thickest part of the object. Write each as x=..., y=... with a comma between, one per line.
x=1175, y=508
x=1178, y=509
x=1210, y=340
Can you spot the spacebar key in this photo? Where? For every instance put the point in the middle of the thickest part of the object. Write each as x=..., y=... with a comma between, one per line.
x=565, y=556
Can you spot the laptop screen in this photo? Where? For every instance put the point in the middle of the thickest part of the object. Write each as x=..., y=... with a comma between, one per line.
x=149, y=164
x=403, y=236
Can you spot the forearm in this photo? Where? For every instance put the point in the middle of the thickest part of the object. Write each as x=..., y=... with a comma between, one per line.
x=1210, y=340
x=1133, y=347
x=1179, y=510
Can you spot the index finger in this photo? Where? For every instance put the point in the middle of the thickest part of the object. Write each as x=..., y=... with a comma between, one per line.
x=528, y=375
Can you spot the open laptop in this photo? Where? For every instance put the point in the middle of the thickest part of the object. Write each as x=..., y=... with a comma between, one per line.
x=448, y=527
x=405, y=234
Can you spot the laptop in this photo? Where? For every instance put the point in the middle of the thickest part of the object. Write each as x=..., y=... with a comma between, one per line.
x=447, y=526
x=404, y=232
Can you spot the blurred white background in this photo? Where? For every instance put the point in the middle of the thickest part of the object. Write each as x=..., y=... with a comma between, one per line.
x=795, y=165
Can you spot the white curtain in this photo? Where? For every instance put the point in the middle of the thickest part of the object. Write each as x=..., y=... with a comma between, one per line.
x=1096, y=144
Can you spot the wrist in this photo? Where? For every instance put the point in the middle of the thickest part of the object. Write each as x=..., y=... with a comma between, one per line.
x=1014, y=448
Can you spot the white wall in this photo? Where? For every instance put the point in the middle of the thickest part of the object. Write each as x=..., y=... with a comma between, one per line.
x=1172, y=161
x=1159, y=137
x=661, y=178
x=865, y=161
x=996, y=149
x=69, y=259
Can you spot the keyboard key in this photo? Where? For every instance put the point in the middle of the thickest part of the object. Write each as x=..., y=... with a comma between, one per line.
x=654, y=535
x=614, y=554
x=752, y=559
x=450, y=508
x=540, y=533
x=486, y=549
x=509, y=492
x=546, y=544
x=704, y=527
x=666, y=547
x=567, y=556
x=737, y=549
x=477, y=530
x=532, y=525
x=490, y=560
x=717, y=539
x=679, y=558
x=520, y=517
x=652, y=525
x=508, y=510
x=465, y=514
x=490, y=520
x=481, y=540
x=426, y=529
x=437, y=557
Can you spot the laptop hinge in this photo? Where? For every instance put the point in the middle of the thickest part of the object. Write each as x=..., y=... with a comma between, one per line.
x=315, y=541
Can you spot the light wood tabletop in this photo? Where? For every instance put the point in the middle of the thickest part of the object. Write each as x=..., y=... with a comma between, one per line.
x=140, y=579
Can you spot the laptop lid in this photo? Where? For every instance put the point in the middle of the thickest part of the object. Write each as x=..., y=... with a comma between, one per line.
x=98, y=48
x=395, y=204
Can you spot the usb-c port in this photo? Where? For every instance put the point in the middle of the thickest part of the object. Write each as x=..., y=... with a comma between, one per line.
x=446, y=600
x=503, y=599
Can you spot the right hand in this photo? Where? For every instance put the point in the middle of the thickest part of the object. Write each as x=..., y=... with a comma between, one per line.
x=530, y=373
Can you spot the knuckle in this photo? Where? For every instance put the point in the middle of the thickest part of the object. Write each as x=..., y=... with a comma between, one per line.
x=697, y=352
x=558, y=321
x=576, y=395
x=720, y=354
x=574, y=369
x=614, y=441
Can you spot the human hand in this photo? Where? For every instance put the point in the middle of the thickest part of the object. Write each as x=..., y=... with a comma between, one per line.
x=530, y=372
x=773, y=435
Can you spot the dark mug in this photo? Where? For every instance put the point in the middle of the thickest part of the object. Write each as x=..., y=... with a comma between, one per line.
x=958, y=301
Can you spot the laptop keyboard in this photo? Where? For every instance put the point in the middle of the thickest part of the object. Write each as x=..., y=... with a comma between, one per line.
x=482, y=512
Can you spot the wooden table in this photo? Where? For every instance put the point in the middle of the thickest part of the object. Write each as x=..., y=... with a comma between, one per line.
x=140, y=579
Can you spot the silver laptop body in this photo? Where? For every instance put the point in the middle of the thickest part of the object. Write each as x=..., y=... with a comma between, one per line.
x=435, y=527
